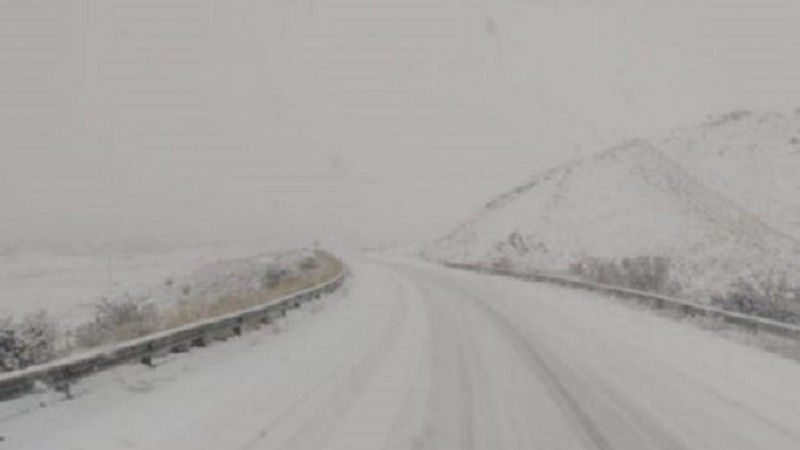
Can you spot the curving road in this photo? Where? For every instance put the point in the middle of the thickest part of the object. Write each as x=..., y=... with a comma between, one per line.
x=418, y=357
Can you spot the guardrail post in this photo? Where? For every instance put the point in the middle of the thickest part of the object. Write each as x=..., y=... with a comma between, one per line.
x=181, y=347
x=659, y=303
x=147, y=359
x=200, y=341
x=63, y=384
x=237, y=329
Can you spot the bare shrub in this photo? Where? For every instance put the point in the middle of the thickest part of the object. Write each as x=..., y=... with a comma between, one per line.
x=644, y=273
x=769, y=296
x=272, y=277
x=37, y=333
x=728, y=117
x=275, y=282
x=8, y=345
x=502, y=263
x=29, y=342
x=117, y=321
x=308, y=263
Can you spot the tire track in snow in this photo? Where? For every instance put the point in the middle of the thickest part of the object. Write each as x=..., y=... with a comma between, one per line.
x=566, y=395
x=567, y=402
x=450, y=422
x=350, y=382
x=408, y=419
x=454, y=415
x=414, y=406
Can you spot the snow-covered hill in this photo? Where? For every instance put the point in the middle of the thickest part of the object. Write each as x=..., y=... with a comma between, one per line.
x=752, y=158
x=689, y=197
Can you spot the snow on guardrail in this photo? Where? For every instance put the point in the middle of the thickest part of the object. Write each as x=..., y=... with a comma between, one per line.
x=61, y=373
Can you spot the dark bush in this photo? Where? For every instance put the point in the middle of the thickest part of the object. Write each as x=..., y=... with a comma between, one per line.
x=8, y=346
x=768, y=296
x=503, y=263
x=644, y=273
x=272, y=277
x=26, y=343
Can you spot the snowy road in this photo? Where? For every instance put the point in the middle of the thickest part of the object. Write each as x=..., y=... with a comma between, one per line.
x=415, y=357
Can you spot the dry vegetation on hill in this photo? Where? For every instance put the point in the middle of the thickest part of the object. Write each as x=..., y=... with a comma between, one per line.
x=35, y=338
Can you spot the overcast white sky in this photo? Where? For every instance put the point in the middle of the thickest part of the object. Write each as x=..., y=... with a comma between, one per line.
x=363, y=120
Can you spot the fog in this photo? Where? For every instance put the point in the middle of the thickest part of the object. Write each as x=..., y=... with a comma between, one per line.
x=365, y=122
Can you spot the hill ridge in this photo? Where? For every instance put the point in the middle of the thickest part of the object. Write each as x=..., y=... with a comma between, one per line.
x=629, y=200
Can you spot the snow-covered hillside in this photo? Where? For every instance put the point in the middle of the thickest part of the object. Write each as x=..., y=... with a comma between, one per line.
x=752, y=158
x=689, y=200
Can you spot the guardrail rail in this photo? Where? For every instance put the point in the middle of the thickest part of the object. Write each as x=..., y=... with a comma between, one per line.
x=62, y=373
x=655, y=301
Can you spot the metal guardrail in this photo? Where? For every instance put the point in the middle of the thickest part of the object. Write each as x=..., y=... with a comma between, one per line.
x=656, y=301
x=61, y=373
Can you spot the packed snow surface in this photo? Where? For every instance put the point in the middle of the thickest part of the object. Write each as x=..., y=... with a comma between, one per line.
x=414, y=356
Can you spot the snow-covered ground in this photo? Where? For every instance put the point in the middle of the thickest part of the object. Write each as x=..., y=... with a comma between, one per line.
x=415, y=356
x=722, y=200
x=752, y=158
x=67, y=286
